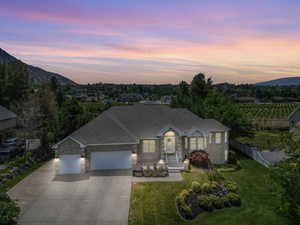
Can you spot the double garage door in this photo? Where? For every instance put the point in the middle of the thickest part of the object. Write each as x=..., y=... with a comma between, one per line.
x=110, y=160
x=70, y=164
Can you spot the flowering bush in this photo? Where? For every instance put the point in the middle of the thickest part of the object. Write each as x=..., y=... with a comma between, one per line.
x=200, y=159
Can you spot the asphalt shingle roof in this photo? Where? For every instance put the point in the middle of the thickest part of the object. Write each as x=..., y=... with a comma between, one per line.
x=5, y=114
x=128, y=124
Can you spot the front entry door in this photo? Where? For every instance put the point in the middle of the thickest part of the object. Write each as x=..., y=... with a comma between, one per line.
x=170, y=145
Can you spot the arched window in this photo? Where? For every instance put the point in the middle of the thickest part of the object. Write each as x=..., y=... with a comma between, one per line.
x=170, y=134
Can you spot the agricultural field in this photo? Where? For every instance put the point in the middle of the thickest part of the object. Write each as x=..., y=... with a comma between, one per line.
x=268, y=116
x=268, y=111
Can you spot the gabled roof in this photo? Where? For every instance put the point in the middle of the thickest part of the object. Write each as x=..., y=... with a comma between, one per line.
x=5, y=114
x=128, y=124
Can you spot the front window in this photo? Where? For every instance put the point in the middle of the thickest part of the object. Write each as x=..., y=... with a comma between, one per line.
x=193, y=144
x=186, y=144
x=170, y=134
x=200, y=143
x=218, y=138
x=209, y=139
x=149, y=146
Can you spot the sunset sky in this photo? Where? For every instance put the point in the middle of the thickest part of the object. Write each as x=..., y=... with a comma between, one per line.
x=155, y=41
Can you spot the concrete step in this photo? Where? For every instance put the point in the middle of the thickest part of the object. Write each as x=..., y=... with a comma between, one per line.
x=175, y=169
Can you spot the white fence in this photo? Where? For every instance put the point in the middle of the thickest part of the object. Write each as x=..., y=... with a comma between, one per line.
x=32, y=144
x=251, y=151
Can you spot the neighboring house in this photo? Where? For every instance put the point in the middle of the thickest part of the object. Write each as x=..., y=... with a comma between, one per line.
x=130, y=97
x=8, y=119
x=155, y=133
x=294, y=118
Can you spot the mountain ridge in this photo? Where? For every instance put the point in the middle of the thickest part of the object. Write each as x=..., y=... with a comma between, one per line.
x=36, y=75
x=287, y=81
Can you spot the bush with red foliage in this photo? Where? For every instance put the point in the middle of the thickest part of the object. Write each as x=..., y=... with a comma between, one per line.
x=200, y=159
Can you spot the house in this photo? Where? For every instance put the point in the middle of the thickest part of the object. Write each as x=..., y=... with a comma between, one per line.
x=130, y=97
x=151, y=133
x=8, y=120
x=294, y=118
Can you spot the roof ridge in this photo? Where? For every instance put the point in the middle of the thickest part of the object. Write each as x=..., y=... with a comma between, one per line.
x=121, y=125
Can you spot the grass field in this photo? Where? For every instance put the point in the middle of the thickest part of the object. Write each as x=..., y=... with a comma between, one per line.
x=264, y=140
x=154, y=203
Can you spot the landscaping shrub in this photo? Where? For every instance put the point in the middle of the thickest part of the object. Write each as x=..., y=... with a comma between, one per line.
x=4, y=197
x=148, y=171
x=232, y=157
x=205, y=202
x=196, y=187
x=9, y=210
x=214, y=175
x=200, y=159
x=234, y=199
x=218, y=202
x=231, y=187
x=226, y=201
x=214, y=185
x=206, y=188
x=181, y=201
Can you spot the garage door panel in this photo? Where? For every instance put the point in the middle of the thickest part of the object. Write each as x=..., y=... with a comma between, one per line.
x=110, y=160
x=69, y=164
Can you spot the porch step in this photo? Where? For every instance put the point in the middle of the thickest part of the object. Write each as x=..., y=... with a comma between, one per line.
x=175, y=169
x=174, y=166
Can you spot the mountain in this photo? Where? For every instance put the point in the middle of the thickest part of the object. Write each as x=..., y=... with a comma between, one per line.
x=36, y=74
x=288, y=81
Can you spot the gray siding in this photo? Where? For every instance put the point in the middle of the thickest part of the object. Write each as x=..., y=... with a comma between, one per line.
x=217, y=151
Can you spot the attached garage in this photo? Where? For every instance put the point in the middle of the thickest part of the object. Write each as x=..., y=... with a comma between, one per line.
x=69, y=164
x=110, y=160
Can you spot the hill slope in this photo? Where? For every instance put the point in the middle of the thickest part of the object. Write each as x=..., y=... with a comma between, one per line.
x=281, y=82
x=36, y=74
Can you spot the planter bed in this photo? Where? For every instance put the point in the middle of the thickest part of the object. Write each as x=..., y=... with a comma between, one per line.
x=150, y=171
x=213, y=195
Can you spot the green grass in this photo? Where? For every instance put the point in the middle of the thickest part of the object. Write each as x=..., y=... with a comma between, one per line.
x=264, y=140
x=154, y=203
x=16, y=179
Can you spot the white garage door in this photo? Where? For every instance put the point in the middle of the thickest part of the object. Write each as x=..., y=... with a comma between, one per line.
x=69, y=164
x=110, y=160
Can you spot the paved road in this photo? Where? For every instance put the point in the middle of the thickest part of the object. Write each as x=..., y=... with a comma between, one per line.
x=100, y=198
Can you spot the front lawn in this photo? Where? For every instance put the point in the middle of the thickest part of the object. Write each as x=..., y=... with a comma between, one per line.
x=265, y=140
x=154, y=203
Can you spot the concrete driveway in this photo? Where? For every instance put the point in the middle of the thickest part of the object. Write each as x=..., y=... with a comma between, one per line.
x=100, y=198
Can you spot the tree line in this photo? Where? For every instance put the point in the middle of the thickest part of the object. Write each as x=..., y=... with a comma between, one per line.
x=43, y=111
x=207, y=101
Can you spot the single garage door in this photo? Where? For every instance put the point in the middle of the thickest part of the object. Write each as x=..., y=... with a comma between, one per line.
x=69, y=164
x=110, y=160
